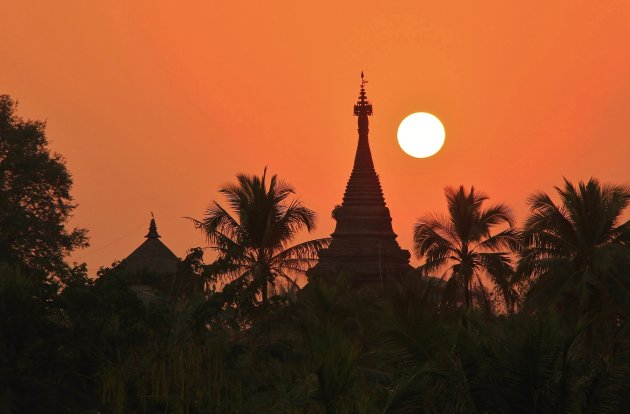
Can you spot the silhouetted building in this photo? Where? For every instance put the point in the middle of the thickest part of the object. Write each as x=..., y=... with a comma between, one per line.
x=364, y=245
x=155, y=273
x=152, y=255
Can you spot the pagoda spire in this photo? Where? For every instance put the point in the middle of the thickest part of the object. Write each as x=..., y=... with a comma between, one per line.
x=363, y=110
x=363, y=243
x=363, y=186
x=152, y=234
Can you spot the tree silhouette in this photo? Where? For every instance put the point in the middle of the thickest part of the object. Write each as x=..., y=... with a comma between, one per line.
x=463, y=244
x=577, y=252
x=252, y=243
x=35, y=200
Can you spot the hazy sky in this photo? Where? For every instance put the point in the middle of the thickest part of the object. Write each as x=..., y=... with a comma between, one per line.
x=156, y=104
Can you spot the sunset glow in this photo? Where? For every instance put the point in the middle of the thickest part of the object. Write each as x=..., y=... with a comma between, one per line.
x=155, y=105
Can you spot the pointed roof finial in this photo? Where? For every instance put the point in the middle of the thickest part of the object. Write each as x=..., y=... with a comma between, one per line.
x=363, y=106
x=363, y=81
x=152, y=234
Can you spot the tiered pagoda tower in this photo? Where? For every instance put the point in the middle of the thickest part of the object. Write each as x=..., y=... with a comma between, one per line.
x=364, y=245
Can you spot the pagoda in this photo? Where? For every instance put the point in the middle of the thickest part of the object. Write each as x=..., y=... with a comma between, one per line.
x=152, y=255
x=155, y=272
x=363, y=246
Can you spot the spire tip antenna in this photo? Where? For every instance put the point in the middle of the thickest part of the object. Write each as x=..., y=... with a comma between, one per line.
x=363, y=81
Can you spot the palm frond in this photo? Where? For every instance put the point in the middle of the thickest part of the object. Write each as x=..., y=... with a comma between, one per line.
x=464, y=211
x=508, y=239
x=307, y=249
x=546, y=215
x=291, y=220
x=430, y=240
x=219, y=220
x=495, y=215
x=431, y=266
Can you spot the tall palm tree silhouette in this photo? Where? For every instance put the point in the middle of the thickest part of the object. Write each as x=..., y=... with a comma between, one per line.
x=252, y=242
x=463, y=244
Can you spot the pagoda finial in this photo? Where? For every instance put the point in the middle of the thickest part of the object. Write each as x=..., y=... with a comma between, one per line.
x=152, y=234
x=363, y=106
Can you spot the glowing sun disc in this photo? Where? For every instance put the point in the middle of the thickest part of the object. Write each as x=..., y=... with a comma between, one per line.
x=421, y=135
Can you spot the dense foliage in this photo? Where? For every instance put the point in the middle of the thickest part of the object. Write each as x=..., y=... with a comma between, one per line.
x=35, y=200
x=95, y=347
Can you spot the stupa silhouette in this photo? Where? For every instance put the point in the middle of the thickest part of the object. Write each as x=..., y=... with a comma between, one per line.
x=155, y=273
x=152, y=255
x=364, y=245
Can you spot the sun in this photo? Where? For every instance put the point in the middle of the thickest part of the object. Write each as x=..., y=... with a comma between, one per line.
x=421, y=135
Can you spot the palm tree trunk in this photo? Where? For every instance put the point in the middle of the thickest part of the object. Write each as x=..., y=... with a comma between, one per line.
x=466, y=273
x=264, y=291
x=467, y=292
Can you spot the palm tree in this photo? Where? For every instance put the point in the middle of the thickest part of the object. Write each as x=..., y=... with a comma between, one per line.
x=252, y=243
x=578, y=252
x=464, y=245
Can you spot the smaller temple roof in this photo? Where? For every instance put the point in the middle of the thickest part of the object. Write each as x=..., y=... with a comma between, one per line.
x=152, y=255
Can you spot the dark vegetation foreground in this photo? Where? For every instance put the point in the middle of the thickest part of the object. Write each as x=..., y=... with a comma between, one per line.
x=526, y=320
x=94, y=347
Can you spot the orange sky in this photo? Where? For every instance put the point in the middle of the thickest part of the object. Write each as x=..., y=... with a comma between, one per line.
x=156, y=104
